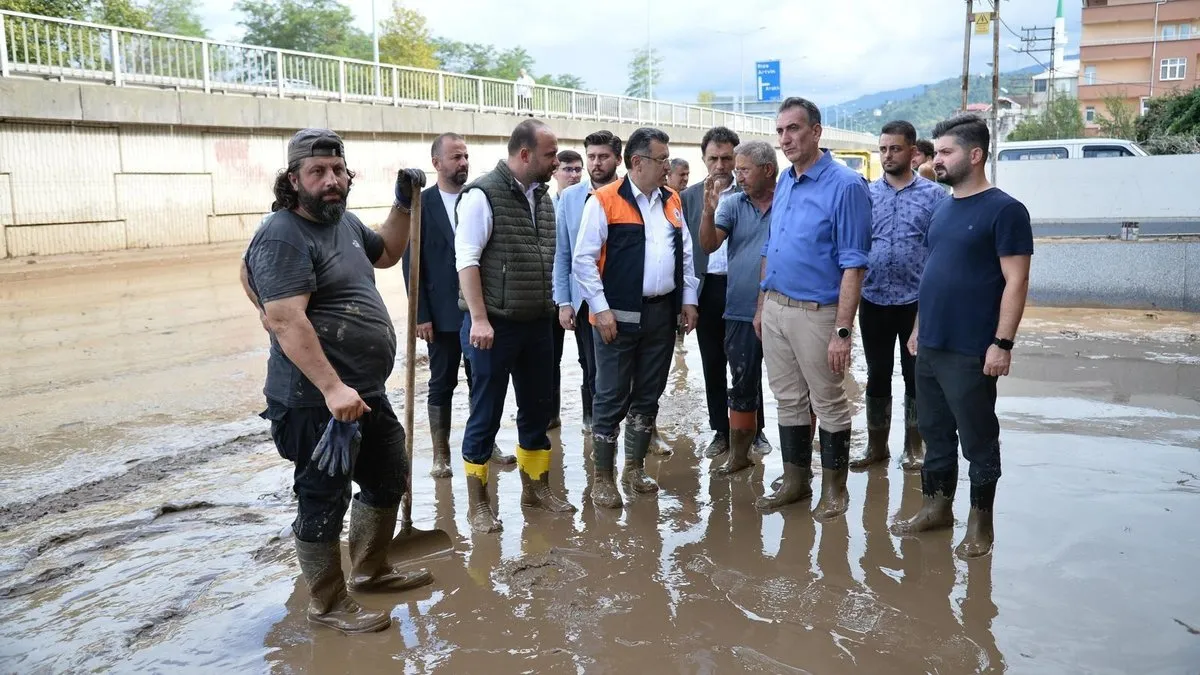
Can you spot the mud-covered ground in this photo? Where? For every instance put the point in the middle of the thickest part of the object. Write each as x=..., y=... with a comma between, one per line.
x=144, y=515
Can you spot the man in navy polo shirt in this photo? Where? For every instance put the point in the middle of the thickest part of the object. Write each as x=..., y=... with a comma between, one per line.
x=812, y=271
x=971, y=300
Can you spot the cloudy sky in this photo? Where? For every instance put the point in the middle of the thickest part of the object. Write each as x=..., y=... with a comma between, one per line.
x=830, y=50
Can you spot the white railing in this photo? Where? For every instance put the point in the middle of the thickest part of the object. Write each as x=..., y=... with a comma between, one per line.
x=48, y=48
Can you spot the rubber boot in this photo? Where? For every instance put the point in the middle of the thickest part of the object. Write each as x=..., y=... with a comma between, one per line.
x=718, y=446
x=835, y=458
x=740, y=440
x=604, y=487
x=321, y=566
x=979, y=537
x=637, y=444
x=555, y=422
x=937, y=504
x=585, y=395
x=535, y=482
x=439, y=433
x=795, y=445
x=479, y=507
x=879, y=425
x=914, y=447
x=371, y=531
x=658, y=447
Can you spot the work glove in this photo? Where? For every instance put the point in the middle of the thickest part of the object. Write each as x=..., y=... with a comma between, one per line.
x=335, y=452
x=408, y=181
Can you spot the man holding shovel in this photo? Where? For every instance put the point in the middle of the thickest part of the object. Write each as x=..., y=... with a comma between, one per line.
x=310, y=269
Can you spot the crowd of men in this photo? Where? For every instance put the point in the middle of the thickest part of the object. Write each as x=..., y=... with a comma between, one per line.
x=769, y=265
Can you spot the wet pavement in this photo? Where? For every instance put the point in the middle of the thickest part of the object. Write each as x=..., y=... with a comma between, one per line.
x=142, y=508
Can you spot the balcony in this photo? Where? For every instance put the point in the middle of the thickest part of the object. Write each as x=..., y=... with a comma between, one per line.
x=1127, y=90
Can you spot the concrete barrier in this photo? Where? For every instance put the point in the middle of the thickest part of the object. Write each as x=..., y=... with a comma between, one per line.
x=1134, y=275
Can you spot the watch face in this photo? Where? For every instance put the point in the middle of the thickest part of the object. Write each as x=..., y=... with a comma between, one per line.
x=843, y=332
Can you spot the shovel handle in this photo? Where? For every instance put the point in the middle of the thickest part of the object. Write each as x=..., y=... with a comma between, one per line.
x=410, y=347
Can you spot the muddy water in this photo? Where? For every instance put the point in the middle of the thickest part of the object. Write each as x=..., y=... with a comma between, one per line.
x=141, y=509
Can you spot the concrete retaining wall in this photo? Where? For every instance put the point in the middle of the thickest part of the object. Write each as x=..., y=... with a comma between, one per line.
x=1135, y=275
x=92, y=168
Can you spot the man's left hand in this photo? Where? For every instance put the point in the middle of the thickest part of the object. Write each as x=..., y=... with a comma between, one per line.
x=997, y=362
x=688, y=318
x=408, y=181
x=839, y=354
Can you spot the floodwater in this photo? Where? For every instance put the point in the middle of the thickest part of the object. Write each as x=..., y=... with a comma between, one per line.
x=142, y=508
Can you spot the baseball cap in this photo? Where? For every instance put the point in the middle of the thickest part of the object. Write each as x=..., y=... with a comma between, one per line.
x=314, y=143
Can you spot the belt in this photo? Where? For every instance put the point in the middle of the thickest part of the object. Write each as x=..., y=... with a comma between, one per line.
x=715, y=274
x=655, y=299
x=781, y=299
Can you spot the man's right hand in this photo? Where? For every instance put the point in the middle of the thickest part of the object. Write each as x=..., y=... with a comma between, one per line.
x=566, y=317
x=758, y=323
x=425, y=331
x=713, y=187
x=345, y=404
x=482, y=334
x=606, y=325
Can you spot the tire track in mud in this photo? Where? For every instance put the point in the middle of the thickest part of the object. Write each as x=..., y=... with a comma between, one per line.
x=141, y=473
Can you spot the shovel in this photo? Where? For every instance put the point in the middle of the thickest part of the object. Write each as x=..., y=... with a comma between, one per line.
x=413, y=545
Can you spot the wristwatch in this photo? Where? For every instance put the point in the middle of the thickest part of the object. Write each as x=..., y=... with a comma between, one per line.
x=1006, y=345
x=843, y=332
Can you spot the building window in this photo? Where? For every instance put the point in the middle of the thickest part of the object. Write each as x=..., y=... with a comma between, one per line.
x=1039, y=86
x=1172, y=69
x=1089, y=75
x=1145, y=105
x=1089, y=114
x=1168, y=31
x=1173, y=31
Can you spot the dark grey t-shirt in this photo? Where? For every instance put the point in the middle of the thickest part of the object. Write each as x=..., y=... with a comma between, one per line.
x=290, y=256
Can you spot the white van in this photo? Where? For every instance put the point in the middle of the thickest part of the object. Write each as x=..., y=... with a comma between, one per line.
x=1068, y=148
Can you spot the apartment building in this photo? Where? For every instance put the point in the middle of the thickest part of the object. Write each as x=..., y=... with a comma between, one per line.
x=1136, y=49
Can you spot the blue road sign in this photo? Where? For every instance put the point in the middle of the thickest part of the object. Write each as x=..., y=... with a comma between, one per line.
x=767, y=76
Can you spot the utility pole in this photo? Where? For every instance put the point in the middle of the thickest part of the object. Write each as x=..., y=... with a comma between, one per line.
x=966, y=74
x=375, y=47
x=1035, y=42
x=995, y=85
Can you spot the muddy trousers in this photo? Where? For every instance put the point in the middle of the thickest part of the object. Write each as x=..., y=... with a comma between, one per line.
x=519, y=353
x=445, y=355
x=881, y=326
x=380, y=468
x=632, y=370
x=744, y=352
x=956, y=403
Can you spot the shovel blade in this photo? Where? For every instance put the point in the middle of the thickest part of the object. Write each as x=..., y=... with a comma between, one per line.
x=417, y=545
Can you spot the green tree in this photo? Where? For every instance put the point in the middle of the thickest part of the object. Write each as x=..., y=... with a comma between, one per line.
x=1120, y=120
x=320, y=26
x=564, y=81
x=122, y=13
x=645, y=71
x=1060, y=119
x=468, y=58
x=1171, y=124
x=405, y=40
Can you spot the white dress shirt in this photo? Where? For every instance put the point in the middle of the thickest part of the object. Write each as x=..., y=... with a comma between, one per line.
x=475, y=226
x=658, y=276
x=449, y=199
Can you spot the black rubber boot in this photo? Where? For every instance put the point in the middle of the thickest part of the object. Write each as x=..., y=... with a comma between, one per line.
x=795, y=445
x=914, y=447
x=321, y=566
x=439, y=433
x=937, y=504
x=371, y=531
x=586, y=396
x=604, y=486
x=879, y=425
x=980, y=536
x=637, y=444
x=835, y=458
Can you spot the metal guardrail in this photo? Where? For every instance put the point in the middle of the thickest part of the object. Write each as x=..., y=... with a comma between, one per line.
x=49, y=48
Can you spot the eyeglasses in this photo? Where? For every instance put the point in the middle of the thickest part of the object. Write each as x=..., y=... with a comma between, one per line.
x=571, y=169
x=660, y=160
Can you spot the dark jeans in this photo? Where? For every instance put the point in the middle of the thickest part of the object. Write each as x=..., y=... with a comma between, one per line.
x=956, y=401
x=558, y=335
x=586, y=344
x=881, y=325
x=710, y=334
x=745, y=354
x=380, y=468
x=445, y=355
x=518, y=351
x=631, y=371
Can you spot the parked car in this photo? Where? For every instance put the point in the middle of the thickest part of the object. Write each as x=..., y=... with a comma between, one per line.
x=1068, y=148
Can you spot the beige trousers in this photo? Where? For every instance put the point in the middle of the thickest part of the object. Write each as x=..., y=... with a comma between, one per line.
x=795, y=337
